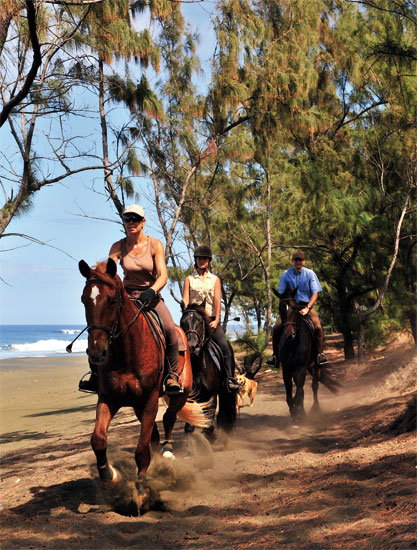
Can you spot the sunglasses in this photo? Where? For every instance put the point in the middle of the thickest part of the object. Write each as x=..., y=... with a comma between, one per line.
x=132, y=218
x=298, y=259
x=202, y=258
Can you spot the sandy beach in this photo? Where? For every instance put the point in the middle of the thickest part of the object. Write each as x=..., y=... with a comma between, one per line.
x=339, y=481
x=39, y=399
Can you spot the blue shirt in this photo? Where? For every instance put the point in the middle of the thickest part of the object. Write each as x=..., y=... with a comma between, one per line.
x=306, y=281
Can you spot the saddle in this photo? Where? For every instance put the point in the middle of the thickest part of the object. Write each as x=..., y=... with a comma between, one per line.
x=157, y=326
x=310, y=325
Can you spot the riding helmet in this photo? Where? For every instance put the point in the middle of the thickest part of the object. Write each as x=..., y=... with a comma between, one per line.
x=203, y=251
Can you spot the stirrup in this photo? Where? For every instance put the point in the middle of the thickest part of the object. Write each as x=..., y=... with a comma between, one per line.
x=82, y=382
x=172, y=392
x=232, y=384
x=322, y=359
x=272, y=362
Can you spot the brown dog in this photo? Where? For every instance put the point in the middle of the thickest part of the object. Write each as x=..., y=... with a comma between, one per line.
x=248, y=388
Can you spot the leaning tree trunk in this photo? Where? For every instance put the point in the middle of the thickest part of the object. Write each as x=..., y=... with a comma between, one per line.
x=361, y=335
x=413, y=324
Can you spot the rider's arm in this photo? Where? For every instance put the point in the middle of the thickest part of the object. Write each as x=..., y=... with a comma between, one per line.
x=186, y=292
x=217, y=303
x=310, y=304
x=160, y=265
x=282, y=282
x=115, y=252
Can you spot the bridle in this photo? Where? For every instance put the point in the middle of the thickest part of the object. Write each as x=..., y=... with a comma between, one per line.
x=111, y=331
x=287, y=323
x=201, y=337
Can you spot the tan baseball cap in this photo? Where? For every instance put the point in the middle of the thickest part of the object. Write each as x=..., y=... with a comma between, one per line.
x=135, y=209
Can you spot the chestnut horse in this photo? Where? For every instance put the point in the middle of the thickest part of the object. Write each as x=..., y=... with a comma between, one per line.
x=295, y=345
x=209, y=381
x=129, y=358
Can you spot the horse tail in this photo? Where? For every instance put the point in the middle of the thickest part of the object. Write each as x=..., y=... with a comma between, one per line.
x=226, y=417
x=327, y=377
x=194, y=413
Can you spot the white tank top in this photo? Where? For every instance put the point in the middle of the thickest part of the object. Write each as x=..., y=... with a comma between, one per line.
x=202, y=287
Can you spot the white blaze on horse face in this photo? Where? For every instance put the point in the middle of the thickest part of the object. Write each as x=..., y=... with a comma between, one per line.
x=94, y=293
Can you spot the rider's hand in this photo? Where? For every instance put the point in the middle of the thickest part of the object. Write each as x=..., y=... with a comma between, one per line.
x=304, y=311
x=214, y=324
x=147, y=296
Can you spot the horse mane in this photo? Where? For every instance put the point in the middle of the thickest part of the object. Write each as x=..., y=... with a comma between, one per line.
x=207, y=320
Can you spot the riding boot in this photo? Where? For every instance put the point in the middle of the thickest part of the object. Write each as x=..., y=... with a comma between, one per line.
x=90, y=385
x=321, y=358
x=232, y=384
x=273, y=361
x=173, y=384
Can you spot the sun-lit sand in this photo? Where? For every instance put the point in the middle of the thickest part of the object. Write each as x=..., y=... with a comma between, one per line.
x=39, y=399
x=39, y=396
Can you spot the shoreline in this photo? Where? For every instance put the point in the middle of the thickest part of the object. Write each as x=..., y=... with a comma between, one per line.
x=15, y=363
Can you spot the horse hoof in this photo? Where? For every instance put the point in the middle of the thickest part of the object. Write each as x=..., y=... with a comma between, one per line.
x=116, y=477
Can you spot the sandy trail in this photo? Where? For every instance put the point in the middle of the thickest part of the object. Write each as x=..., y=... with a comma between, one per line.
x=339, y=481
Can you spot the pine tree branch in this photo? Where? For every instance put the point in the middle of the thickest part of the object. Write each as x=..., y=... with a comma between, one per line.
x=36, y=241
x=36, y=63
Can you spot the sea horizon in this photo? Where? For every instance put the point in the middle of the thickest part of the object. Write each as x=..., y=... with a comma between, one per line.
x=40, y=340
x=51, y=340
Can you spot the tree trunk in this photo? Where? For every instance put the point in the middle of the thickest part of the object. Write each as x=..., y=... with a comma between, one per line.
x=361, y=336
x=413, y=324
x=348, y=343
x=104, y=140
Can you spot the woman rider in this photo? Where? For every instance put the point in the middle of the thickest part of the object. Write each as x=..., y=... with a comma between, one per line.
x=202, y=286
x=145, y=274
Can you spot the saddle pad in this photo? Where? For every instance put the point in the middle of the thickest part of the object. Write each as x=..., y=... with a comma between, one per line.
x=182, y=340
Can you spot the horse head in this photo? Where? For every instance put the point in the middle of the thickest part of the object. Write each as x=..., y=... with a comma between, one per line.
x=196, y=324
x=288, y=310
x=102, y=301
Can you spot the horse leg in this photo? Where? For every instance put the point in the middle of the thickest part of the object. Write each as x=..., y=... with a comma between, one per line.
x=147, y=432
x=315, y=387
x=299, y=412
x=288, y=390
x=104, y=414
x=169, y=419
x=155, y=439
x=210, y=432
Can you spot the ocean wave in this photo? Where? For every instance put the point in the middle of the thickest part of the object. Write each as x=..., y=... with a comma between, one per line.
x=41, y=348
x=69, y=330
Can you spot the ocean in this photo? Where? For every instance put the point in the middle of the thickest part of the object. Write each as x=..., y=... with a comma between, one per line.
x=40, y=340
x=51, y=340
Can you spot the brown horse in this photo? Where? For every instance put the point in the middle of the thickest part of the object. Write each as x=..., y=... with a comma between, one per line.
x=129, y=357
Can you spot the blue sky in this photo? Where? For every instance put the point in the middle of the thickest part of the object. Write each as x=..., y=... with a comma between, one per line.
x=42, y=285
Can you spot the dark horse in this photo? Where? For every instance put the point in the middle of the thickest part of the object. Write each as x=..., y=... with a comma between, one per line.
x=209, y=381
x=129, y=357
x=295, y=345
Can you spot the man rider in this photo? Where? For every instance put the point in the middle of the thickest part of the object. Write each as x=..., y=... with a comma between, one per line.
x=309, y=287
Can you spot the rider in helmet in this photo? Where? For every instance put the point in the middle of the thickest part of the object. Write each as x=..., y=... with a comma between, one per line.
x=309, y=287
x=204, y=286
